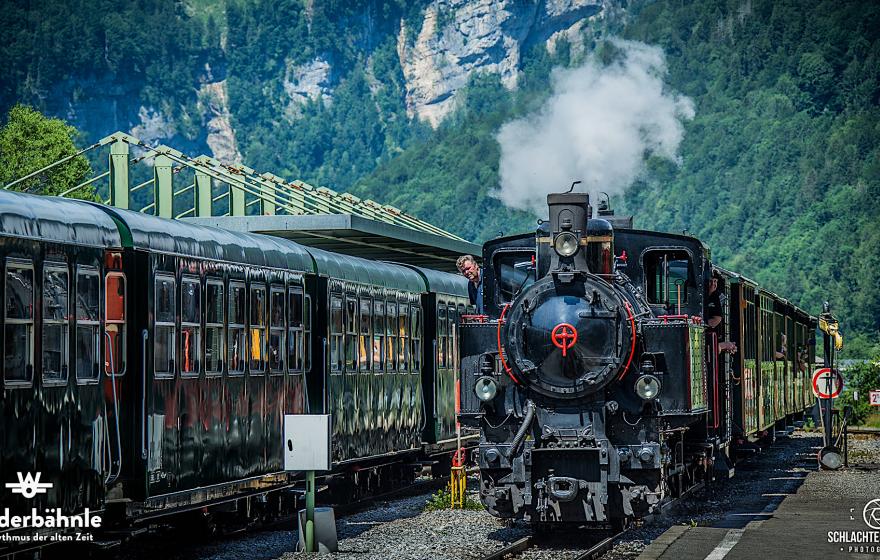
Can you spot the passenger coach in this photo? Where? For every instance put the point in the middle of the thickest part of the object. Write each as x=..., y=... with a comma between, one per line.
x=188, y=346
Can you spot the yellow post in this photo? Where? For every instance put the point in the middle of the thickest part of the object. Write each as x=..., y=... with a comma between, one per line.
x=457, y=484
x=458, y=480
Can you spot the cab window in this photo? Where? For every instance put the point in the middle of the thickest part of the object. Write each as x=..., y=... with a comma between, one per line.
x=667, y=276
x=514, y=272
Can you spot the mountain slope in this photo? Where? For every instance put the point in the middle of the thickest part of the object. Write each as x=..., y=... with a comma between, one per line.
x=780, y=168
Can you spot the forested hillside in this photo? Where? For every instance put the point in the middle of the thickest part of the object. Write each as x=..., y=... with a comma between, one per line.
x=780, y=168
x=778, y=171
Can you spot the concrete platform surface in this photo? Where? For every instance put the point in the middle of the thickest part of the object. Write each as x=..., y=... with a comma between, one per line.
x=818, y=514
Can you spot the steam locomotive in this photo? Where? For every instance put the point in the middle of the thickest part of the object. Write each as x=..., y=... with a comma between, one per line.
x=599, y=392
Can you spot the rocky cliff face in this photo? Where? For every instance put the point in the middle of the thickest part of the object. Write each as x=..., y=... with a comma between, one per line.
x=214, y=106
x=437, y=53
x=307, y=82
x=460, y=37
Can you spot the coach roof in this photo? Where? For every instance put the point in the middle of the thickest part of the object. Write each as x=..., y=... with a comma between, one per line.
x=52, y=218
x=364, y=271
x=183, y=238
x=443, y=282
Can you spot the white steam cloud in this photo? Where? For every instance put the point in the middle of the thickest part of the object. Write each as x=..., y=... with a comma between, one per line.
x=600, y=126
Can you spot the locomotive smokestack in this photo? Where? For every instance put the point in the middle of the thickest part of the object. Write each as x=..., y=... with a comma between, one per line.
x=569, y=213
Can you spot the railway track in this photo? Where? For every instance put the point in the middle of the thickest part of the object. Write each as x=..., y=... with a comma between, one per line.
x=516, y=548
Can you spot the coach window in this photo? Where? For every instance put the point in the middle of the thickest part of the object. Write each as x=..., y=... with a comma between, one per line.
x=258, y=330
x=114, y=323
x=190, y=326
x=442, y=335
x=667, y=276
x=452, y=344
x=18, y=365
x=165, y=303
x=56, y=313
x=237, y=345
x=391, y=335
x=295, y=329
x=779, y=338
x=365, y=346
x=276, y=329
x=766, y=332
x=88, y=336
x=461, y=311
x=337, y=333
x=403, y=333
x=351, y=334
x=307, y=334
x=416, y=330
x=378, y=336
x=214, y=327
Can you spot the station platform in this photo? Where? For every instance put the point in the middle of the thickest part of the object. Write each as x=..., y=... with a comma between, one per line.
x=805, y=514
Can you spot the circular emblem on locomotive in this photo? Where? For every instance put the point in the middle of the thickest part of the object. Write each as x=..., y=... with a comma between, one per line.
x=568, y=339
x=564, y=336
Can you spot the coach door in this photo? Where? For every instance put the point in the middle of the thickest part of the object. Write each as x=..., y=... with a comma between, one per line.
x=115, y=366
x=335, y=387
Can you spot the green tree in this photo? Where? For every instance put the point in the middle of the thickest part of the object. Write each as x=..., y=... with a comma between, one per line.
x=30, y=141
x=863, y=377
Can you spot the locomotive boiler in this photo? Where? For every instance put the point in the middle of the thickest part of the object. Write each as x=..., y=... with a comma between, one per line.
x=589, y=384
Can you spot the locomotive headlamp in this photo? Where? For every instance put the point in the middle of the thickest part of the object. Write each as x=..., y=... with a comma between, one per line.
x=648, y=387
x=566, y=244
x=486, y=388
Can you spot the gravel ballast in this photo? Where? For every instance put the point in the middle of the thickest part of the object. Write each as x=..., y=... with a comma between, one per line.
x=402, y=530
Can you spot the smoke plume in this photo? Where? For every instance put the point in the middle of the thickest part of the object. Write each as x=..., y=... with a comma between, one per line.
x=600, y=126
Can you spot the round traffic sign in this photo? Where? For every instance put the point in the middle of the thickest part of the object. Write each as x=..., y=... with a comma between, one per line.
x=827, y=383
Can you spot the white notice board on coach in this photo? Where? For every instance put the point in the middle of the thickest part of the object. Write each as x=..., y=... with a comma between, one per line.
x=306, y=442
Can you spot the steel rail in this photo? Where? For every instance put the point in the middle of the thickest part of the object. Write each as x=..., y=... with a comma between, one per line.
x=517, y=547
x=511, y=549
x=600, y=548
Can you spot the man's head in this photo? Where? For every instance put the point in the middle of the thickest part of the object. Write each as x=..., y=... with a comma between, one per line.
x=716, y=282
x=468, y=266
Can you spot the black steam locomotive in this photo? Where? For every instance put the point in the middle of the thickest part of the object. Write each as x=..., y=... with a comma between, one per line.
x=599, y=391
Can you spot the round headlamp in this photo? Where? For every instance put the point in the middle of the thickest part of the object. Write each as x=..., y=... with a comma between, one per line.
x=648, y=387
x=566, y=244
x=486, y=388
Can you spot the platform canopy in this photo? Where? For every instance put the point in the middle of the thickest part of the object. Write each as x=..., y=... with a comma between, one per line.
x=161, y=181
x=354, y=235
